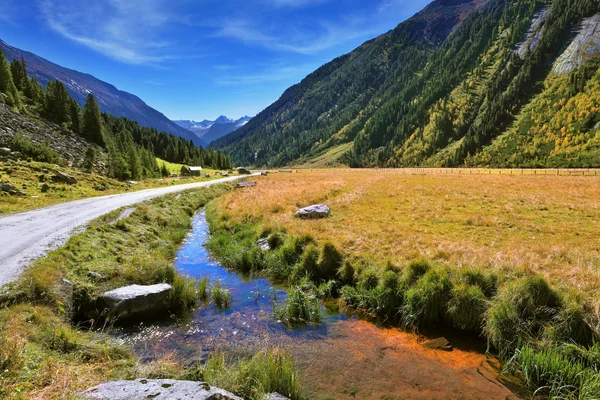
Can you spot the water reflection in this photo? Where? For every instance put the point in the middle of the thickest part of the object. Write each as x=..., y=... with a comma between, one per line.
x=247, y=324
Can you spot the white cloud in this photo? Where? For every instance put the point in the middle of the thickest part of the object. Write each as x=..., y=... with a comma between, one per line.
x=321, y=37
x=125, y=30
x=268, y=73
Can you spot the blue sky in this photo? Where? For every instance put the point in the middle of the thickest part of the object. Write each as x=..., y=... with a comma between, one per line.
x=198, y=59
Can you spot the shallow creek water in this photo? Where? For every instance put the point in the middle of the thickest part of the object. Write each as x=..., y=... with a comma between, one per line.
x=342, y=358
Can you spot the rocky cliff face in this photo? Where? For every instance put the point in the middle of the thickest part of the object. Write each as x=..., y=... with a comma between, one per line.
x=584, y=47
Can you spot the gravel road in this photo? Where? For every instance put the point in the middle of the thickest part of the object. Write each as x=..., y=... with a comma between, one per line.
x=30, y=235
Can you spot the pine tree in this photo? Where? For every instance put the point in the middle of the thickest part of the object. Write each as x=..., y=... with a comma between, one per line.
x=92, y=121
x=33, y=91
x=89, y=158
x=76, y=123
x=7, y=84
x=135, y=164
x=19, y=73
x=57, y=103
x=164, y=171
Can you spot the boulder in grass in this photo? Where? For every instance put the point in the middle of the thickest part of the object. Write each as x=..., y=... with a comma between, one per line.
x=245, y=184
x=7, y=187
x=314, y=211
x=135, y=301
x=142, y=389
x=60, y=176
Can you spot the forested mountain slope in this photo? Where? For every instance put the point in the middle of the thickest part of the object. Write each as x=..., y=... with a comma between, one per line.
x=110, y=99
x=454, y=85
x=48, y=125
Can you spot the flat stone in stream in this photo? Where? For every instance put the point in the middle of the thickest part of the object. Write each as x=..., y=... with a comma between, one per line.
x=142, y=389
x=314, y=211
x=137, y=300
x=439, y=344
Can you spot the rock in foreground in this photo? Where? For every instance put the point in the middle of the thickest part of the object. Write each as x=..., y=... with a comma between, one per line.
x=137, y=300
x=157, y=389
x=314, y=211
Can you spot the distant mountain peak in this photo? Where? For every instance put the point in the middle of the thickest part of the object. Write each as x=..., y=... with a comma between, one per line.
x=223, y=120
x=209, y=131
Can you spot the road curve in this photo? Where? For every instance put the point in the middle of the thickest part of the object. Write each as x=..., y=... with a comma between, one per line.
x=30, y=235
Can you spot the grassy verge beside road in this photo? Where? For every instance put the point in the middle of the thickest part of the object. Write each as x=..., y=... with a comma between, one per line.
x=30, y=177
x=44, y=355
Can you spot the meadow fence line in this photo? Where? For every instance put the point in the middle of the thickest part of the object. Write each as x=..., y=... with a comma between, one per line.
x=461, y=171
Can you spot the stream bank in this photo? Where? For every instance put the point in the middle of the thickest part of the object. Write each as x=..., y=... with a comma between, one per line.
x=344, y=357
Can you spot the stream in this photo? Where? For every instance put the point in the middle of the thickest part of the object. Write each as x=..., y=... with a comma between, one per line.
x=344, y=357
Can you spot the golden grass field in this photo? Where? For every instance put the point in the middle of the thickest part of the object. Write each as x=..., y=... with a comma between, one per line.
x=547, y=223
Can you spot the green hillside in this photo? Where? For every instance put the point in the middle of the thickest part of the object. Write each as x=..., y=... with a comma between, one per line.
x=464, y=82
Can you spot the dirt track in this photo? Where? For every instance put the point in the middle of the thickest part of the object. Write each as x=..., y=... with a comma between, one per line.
x=30, y=235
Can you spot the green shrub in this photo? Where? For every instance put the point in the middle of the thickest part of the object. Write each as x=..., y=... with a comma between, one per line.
x=346, y=273
x=275, y=240
x=425, y=302
x=299, y=308
x=293, y=248
x=220, y=295
x=570, y=325
x=415, y=270
x=308, y=264
x=488, y=283
x=520, y=310
x=368, y=280
x=466, y=307
x=38, y=152
x=252, y=378
x=330, y=260
x=184, y=295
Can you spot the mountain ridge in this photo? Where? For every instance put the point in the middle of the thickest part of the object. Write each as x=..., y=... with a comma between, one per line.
x=110, y=99
x=437, y=90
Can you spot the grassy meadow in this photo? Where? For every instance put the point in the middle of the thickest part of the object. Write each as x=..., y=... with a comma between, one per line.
x=498, y=222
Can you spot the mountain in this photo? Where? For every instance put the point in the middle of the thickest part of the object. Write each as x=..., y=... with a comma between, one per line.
x=209, y=131
x=463, y=82
x=110, y=99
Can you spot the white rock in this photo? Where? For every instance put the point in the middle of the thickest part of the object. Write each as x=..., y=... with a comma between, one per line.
x=314, y=211
x=142, y=389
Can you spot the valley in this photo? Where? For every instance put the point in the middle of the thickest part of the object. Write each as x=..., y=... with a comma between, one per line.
x=416, y=218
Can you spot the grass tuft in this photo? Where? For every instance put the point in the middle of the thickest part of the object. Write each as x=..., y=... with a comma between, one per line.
x=252, y=378
x=301, y=307
x=220, y=296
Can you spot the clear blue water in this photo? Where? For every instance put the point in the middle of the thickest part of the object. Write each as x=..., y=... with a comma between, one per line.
x=248, y=324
